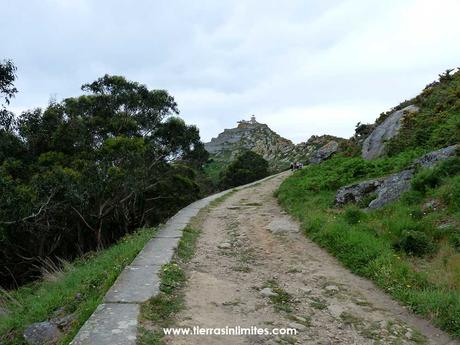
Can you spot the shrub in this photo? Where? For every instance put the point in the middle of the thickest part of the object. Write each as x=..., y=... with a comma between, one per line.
x=425, y=179
x=451, y=193
x=450, y=167
x=246, y=168
x=454, y=240
x=353, y=215
x=414, y=243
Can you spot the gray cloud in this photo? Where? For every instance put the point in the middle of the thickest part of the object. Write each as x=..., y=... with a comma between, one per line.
x=304, y=67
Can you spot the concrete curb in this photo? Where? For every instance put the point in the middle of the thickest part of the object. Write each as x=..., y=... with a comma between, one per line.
x=115, y=321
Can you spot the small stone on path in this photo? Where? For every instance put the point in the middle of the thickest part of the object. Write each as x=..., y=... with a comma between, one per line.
x=332, y=288
x=224, y=245
x=267, y=292
x=297, y=326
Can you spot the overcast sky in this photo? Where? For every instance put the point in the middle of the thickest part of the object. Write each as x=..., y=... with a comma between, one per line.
x=302, y=66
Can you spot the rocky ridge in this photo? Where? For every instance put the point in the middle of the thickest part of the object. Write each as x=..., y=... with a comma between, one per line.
x=258, y=137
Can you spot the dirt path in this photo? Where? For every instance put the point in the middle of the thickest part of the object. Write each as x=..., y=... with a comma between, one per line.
x=247, y=244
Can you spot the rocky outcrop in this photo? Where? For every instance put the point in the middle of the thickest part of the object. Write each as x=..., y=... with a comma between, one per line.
x=391, y=188
x=431, y=159
x=384, y=190
x=374, y=144
x=258, y=137
x=324, y=152
x=355, y=193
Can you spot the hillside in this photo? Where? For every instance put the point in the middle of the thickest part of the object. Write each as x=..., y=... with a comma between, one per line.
x=388, y=207
x=259, y=138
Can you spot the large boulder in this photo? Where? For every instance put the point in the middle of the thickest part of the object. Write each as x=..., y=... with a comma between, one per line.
x=355, y=193
x=374, y=144
x=324, y=152
x=390, y=188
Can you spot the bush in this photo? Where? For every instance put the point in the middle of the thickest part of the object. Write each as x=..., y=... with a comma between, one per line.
x=437, y=124
x=246, y=168
x=353, y=215
x=450, y=167
x=451, y=194
x=454, y=240
x=425, y=179
x=414, y=243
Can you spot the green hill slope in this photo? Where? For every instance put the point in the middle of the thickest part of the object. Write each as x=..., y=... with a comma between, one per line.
x=410, y=247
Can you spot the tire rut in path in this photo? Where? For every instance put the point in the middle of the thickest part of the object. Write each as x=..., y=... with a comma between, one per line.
x=248, y=243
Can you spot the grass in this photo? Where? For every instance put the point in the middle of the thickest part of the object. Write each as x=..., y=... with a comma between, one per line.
x=318, y=303
x=402, y=247
x=160, y=310
x=216, y=165
x=282, y=301
x=437, y=124
x=79, y=289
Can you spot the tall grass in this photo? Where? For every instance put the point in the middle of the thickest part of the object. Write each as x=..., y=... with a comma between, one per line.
x=78, y=288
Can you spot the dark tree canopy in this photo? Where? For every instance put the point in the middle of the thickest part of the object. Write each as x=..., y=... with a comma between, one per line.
x=7, y=78
x=83, y=172
x=246, y=168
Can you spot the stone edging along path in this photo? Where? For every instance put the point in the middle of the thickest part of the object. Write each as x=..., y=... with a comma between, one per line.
x=115, y=321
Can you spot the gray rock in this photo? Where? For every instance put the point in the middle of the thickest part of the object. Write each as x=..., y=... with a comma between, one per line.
x=63, y=321
x=391, y=187
x=42, y=333
x=267, y=292
x=332, y=288
x=281, y=225
x=431, y=205
x=324, y=152
x=306, y=290
x=356, y=192
x=431, y=159
x=445, y=226
x=224, y=245
x=374, y=144
x=297, y=326
x=300, y=318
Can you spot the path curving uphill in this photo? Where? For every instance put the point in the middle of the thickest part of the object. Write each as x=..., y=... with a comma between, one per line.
x=249, y=249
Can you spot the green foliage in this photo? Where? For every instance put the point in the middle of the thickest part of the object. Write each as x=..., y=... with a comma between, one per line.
x=172, y=277
x=437, y=124
x=379, y=244
x=159, y=311
x=89, y=277
x=454, y=240
x=90, y=169
x=246, y=168
x=414, y=243
x=450, y=194
x=7, y=77
x=432, y=177
x=187, y=244
x=353, y=215
x=428, y=178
